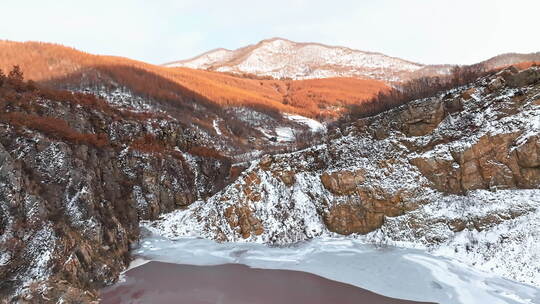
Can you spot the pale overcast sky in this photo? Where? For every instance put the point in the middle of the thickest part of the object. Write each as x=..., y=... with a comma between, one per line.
x=436, y=31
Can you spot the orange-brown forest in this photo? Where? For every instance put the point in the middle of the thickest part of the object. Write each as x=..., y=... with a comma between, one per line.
x=56, y=64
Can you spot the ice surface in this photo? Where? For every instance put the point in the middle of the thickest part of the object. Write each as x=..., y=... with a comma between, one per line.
x=396, y=272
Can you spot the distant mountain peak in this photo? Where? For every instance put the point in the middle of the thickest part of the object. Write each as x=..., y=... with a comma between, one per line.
x=282, y=58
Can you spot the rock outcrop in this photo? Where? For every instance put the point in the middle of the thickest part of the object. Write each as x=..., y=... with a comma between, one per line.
x=465, y=161
x=342, y=182
x=457, y=173
x=522, y=78
x=76, y=177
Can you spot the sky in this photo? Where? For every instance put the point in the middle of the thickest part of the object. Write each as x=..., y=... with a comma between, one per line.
x=159, y=31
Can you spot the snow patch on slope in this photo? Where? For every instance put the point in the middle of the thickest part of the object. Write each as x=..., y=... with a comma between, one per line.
x=204, y=61
x=314, y=125
x=215, y=124
x=284, y=134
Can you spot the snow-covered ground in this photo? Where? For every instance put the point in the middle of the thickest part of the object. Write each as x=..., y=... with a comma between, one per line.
x=495, y=229
x=510, y=248
x=314, y=125
x=205, y=60
x=391, y=271
x=123, y=98
x=280, y=58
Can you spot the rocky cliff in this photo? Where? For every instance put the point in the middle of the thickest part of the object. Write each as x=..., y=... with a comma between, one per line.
x=76, y=177
x=458, y=174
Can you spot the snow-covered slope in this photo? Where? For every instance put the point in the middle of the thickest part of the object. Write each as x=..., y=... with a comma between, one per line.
x=281, y=58
x=457, y=174
x=207, y=59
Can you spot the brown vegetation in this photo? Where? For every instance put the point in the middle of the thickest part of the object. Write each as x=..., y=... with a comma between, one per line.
x=54, y=127
x=50, y=63
x=206, y=152
x=149, y=144
x=415, y=89
x=523, y=65
x=20, y=107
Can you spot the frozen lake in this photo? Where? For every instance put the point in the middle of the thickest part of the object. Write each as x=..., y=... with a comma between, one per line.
x=394, y=272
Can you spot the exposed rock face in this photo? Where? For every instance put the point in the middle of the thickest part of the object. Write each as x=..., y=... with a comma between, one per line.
x=351, y=218
x=496, y=84
x=342, y=182
x=479, y=137
x=421, y=118
x=70, y=208
x=523, y=78
x=457, y=173
x=241, y=217
x=493, y=162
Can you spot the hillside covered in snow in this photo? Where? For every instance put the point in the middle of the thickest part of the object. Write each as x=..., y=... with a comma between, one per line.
x=282, y=58
x=457, y=174
x=96, y=146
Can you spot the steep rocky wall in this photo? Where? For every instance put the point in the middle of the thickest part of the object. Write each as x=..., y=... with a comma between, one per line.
x=70, y=209
x=472, y=150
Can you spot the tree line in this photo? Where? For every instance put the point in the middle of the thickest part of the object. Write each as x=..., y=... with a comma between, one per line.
x=418, y=88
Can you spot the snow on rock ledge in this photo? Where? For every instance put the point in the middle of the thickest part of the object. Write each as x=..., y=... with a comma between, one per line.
x=441, y=173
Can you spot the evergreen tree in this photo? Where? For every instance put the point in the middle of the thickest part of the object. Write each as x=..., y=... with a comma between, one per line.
x=2, y=77
x=16, y=75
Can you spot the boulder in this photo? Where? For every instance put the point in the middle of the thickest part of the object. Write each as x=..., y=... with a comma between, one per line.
x=469, y=93
x=286, y=176
x=265, y=162
x=352, y=218
x=453, y=105
x=496, y=84
x=421, y=118
x=342, y=182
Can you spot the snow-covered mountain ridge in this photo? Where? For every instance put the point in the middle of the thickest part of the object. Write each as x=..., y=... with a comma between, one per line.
x=281, y=58
x=457, y=174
